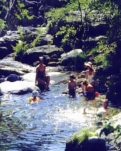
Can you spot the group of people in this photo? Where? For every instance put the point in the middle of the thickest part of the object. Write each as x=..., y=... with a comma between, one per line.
x=42, y=80
x=87, y=85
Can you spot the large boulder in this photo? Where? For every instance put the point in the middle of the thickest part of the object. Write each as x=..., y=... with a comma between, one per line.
x=8, y=41
x=17, y=87
x=10, y=66
x=4, y=52
x=73, y=58
x=33, y=54
x=91, y=144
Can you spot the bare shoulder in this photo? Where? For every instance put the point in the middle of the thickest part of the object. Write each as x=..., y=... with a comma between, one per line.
x=69, y=81
x=44, y=66
x=37, y=67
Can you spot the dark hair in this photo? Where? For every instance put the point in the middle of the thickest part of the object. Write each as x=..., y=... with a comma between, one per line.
x=72, y=76
x=91, y=69
x=85, y=82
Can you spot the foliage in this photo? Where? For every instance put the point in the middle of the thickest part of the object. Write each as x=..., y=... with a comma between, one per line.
x=23, y=13
x=12, y=10
x=57, y=14
x=23, y=43
x=105, y=6
x=79, y=61
x=20, y=47
x=68, y=33
x=103, y=52
x=35, y=41
x=2, y=23
x=114, y=33
x=83, y=134
x=115, y=130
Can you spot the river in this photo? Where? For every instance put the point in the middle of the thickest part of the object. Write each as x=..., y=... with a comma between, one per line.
x=42, y=126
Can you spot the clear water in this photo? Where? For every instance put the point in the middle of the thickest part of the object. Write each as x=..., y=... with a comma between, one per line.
x=42, y=126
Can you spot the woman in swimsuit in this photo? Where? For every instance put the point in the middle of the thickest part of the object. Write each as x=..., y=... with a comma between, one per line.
x=90, y=73
x=42, y=80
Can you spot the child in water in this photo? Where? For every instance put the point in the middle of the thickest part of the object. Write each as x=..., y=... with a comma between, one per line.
x=34, y=97
x=88, y=90
x=72, y=86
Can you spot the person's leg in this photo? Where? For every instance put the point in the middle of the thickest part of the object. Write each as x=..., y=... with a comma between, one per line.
x=41, y=84
x=72, y=93
x=47, y=79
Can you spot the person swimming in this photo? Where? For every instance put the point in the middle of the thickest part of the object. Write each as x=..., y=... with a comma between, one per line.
x=34, y=97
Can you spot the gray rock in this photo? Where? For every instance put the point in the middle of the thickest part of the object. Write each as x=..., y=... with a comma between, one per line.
x=17, y=87
x=33, y=54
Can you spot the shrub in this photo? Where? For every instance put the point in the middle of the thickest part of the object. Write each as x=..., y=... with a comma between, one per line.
x=82, y=135
x=20, y=48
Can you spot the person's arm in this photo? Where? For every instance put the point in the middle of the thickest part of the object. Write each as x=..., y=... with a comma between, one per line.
x=83, y=87
x=69, y=85
x=86, y=75
x=75, y=84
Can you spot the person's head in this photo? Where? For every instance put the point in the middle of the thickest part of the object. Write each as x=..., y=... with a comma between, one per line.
x=34, y=94
x=88, y=65
x=40, y=60
x=85, y=82
x=72, y=77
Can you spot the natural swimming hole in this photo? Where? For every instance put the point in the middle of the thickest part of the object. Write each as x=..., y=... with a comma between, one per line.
x=42, y=126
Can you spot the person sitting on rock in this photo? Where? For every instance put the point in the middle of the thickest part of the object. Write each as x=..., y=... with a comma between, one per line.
x=42, y=80
x=72, y=86
x=34, y=97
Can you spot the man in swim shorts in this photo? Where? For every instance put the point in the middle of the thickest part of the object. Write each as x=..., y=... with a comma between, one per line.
x=72, y=86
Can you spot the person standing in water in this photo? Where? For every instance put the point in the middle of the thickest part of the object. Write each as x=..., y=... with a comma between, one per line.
x=42, y=80
x=90, y=73
x=72, y=86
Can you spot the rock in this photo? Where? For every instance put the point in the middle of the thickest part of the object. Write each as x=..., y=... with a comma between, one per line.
x=13, y=78
x=3, y=52
x=73, y=58
x=17, y=87
x=91, y=144
x=33, y=54
x=98, y=28
x=10, y=66
x=9, y=40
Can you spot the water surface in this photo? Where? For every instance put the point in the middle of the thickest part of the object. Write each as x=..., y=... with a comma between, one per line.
x=43, y=126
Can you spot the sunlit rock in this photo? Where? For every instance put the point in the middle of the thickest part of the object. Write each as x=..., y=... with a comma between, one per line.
x=17, y=87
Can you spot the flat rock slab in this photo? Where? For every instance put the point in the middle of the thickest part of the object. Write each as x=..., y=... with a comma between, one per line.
x=17, y=87
x=28, y=83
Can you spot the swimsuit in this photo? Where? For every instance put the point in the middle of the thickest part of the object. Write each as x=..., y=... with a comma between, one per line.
x=41, y=74
x=72, y=92
x=90, y=78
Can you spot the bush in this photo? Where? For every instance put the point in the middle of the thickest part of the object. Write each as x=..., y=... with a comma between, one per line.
x=82, y=135
x=20, y=48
